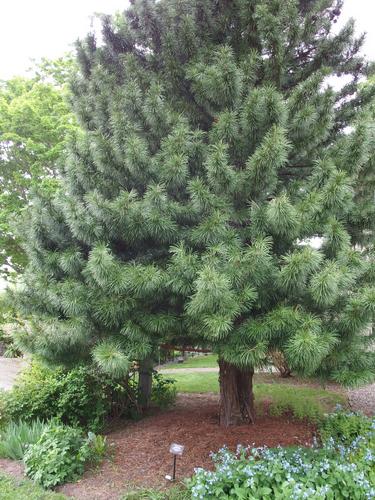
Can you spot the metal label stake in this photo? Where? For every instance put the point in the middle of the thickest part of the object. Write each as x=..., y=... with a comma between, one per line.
x=175, y=449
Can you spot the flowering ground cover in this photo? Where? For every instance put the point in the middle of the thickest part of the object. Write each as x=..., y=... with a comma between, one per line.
x=341, y=467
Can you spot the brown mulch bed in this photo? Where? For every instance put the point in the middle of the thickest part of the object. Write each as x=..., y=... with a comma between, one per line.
x=142, y=459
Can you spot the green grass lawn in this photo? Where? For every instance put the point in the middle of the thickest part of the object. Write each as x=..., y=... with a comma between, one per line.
x=300, y=400
x=200, y=361
x=196, y=382
x=15, y=489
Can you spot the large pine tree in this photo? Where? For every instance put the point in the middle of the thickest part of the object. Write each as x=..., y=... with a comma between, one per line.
x=213, y=160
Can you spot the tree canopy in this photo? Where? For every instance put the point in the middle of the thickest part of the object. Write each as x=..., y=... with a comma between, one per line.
x=212, y=155
x=34, y=121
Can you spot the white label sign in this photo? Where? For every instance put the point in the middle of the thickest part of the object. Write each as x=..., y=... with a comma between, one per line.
x=176, y=449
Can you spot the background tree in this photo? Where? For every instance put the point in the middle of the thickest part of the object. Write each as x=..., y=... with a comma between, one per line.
x=362, y=218
x=212, y=156
x=34, y=120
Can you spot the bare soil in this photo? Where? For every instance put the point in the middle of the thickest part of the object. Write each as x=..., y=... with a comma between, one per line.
x=12, y=467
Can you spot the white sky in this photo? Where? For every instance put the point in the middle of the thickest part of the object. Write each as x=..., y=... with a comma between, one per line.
x=36, y=28
x=31, y=29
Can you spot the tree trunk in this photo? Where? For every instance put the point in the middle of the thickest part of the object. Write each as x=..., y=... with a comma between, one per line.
x=236, y=395
x=145, y=383
x=280, y=364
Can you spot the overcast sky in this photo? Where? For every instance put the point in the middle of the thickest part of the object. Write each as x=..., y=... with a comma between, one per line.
x=36, y=28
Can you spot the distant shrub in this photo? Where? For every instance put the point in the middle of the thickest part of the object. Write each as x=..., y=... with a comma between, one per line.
x=8, y=326
x=4, y=413
x=17, y=436
x=164, y=391
x=300, y=402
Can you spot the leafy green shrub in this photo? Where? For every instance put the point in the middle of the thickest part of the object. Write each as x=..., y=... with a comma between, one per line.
x=334, y=471
x=344, y=427
x=8, y=349
x=35, y=394
x=77, y=397
x=60, y=455
x=164, y=391
x=4, y=412
x=8, y=326
x=17, y=436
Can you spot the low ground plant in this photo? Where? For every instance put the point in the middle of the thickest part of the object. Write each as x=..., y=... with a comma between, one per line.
x=344, y=427
x=331, y=471
x=15, y=438
x=97, y=447
x=61, y=454
x=301, y=402
x=14, y=489
x=175, y=493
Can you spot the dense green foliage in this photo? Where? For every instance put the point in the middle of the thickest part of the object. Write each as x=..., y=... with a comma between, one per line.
x=15, y=437
x=164, y=391
x=58, y=456
x=212, y=154
x=34, y=121
x=362, y=223
x=333, y=471
x=344, y=427
x=10, y=324
x=14, y=489
x=79, y=397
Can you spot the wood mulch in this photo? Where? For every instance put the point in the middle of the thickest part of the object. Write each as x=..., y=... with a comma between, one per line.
x=141, y=455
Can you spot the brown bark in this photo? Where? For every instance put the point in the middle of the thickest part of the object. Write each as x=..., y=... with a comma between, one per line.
x=145, y=383
x=236, y=395
x=280, y=364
